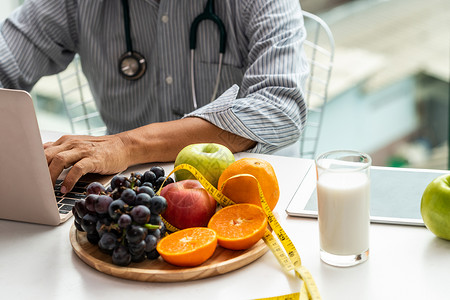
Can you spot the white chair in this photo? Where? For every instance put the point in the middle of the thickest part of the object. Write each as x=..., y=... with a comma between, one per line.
x=319, y=48
x=78, y=102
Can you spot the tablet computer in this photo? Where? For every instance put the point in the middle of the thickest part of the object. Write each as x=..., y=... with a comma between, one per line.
x=396, y=194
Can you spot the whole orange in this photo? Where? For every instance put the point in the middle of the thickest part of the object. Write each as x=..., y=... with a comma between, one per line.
x=244, y=189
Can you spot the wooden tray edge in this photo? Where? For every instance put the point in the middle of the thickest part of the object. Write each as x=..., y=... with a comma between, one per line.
x=176, y=275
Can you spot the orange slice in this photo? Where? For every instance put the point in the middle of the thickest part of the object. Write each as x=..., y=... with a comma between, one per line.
x=239, y=226
x=189, y=247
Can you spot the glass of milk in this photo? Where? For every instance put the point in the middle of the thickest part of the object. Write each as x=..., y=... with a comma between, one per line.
x=343, y=193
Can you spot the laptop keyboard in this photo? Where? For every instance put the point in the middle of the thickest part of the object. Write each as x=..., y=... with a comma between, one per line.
x=67, y=201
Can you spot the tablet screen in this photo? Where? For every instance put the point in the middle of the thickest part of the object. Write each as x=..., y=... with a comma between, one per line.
x=396, y=195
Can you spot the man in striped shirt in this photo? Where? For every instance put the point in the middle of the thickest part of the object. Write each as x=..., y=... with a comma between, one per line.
x=260, y=107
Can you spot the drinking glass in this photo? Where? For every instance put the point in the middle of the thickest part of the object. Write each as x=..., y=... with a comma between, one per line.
x=343, y=193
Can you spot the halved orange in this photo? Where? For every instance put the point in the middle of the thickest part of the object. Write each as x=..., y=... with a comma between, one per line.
x=239, y=226
x=189, y=247
x=241, y=188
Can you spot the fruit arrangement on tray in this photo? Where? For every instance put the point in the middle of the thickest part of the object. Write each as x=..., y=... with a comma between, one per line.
x=148, y=215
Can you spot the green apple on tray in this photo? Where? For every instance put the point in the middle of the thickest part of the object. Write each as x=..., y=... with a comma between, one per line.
x=209, y=159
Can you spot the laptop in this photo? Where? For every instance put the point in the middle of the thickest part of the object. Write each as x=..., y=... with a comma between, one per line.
x=396, y=195
x=28, y=194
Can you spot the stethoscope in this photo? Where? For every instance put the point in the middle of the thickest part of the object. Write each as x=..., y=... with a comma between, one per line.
x=132, y=65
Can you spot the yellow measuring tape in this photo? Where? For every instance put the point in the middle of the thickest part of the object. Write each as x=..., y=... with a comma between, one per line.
x=286, y=254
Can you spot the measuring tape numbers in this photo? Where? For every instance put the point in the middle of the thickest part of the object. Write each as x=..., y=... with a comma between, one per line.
x=286, y=253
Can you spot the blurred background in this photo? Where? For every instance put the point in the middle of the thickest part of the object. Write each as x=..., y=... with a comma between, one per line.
x=389, y=88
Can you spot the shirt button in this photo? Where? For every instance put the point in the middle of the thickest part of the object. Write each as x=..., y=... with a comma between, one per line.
x=169, y=80
x=165, y=18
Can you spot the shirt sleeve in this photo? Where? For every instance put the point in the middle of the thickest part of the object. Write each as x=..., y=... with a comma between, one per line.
x=269, y=108
x=39, y=38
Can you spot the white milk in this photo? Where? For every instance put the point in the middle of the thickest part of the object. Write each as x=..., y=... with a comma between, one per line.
x=343, y=200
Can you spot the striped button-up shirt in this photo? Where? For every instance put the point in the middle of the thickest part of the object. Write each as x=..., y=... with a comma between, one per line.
x=260, y=95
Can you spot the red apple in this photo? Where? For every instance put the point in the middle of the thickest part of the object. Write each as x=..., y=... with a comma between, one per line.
x=188, y=204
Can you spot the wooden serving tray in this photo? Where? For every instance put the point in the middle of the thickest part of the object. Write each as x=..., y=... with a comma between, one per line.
x=222, y=261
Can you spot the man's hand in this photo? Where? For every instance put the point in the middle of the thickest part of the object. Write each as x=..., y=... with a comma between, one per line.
x=86, y=154
x=111, y=154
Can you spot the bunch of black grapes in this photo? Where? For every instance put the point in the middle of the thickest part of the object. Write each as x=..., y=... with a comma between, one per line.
x=124, y=219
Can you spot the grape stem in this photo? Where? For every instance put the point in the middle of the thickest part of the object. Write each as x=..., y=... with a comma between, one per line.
x=152, y=227
x=122, y=238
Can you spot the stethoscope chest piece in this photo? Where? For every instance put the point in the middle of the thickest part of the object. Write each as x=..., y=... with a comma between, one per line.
x=132, y=65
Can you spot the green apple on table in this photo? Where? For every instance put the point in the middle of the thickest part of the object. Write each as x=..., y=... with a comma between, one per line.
x=210, y=159
x=435, y=206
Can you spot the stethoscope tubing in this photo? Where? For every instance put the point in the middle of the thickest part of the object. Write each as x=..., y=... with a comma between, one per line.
x=126, y=23
x=208, y=14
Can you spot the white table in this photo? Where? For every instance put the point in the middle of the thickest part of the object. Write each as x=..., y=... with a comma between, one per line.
x=405, y=262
